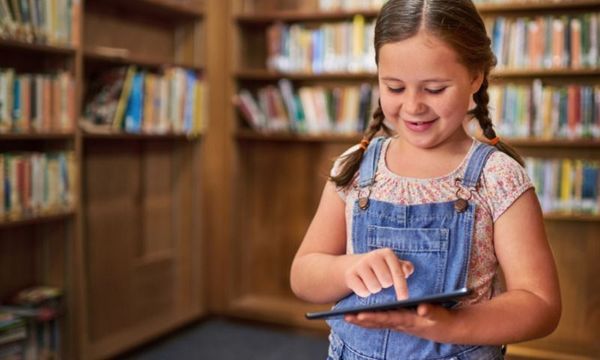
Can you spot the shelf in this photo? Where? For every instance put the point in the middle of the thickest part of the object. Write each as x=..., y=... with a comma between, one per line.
x=170, y=9
x=544, y=73
x=296, y=16
x=251, y=135
x=128, y=136
x=45, y=49
x=516, y=6
x=40, y=219
x=574, y=216
x=317, y=16
x=561, y=143
x=174, y=7
x=267, y=75
x=37, y=136
x=122, y=57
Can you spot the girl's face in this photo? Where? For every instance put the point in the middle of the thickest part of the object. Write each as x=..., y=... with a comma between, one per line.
x=425, y=92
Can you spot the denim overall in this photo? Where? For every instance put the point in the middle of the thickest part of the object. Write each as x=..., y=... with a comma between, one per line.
x=436, y=238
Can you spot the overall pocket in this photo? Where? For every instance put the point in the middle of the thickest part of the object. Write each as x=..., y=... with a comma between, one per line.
x=425, y=248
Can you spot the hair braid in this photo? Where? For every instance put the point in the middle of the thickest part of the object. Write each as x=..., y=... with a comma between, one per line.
x=482, y=114
x=350, y=163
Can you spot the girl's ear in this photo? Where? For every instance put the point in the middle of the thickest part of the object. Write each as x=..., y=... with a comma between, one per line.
x=476, y=81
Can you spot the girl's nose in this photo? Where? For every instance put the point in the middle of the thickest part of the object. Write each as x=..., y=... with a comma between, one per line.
x=413, y=104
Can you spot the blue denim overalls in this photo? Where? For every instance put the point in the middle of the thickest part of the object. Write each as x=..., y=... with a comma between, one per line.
x=436, y=238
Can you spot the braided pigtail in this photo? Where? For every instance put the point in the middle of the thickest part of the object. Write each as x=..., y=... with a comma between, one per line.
x=481, y=113
x=350, y=163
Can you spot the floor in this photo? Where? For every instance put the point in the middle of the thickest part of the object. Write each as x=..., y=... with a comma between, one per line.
x=223, y=339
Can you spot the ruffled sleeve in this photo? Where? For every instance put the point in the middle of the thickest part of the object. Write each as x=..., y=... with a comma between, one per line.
x=504, y=180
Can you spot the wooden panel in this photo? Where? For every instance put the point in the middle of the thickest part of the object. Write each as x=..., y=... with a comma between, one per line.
x=576, y=249
x=107, y=26
x=17, y=260
x=140, y=240
x=279, y=195
x=33, y=255
x=157, y=198
x=112, y=191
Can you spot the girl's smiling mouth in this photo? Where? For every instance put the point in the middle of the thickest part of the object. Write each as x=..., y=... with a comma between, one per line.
x=419, y=126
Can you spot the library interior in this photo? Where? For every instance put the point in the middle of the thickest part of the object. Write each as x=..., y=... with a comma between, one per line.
x=161, y=160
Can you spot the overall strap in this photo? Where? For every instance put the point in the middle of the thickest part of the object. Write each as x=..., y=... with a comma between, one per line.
x=476, y=163
x=368, y=165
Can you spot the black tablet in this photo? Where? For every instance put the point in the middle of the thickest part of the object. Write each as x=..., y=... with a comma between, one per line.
x=447, y=299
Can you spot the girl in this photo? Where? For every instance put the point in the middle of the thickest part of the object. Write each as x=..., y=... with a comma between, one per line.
x=430, y=209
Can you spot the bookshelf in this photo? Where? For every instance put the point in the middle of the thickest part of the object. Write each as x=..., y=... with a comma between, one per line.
x=141, y=268
x=37, y=225
x=283, y=174
x=127, y=250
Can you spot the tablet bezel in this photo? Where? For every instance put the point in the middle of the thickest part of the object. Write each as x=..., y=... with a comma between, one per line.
x=446, y=299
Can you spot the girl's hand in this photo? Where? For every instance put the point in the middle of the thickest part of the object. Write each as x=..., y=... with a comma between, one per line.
x=428, y=321
x=376, y=270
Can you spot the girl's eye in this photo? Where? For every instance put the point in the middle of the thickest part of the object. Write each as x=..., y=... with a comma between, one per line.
x=395, y=90
x=435, y=91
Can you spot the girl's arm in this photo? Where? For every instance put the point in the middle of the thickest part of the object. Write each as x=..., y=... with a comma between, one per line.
x=530, y=308
x=322, y=273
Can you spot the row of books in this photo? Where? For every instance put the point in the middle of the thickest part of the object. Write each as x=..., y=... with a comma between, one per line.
x=139, y=101
x=566, y=185
x=40, y=21
x=36, y=102
x=350, y=5
x=30, y=324
x=310, y=110
x=546, y=42
x=544, y=111
x=328, y=48
x=34, y=183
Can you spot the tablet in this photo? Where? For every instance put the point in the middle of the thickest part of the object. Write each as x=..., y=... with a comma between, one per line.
x=447, y=299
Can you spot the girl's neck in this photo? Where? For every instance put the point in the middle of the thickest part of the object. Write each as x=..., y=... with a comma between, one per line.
x=407, y=160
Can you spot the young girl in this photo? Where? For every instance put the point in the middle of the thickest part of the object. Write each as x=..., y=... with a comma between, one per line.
x=430, y=209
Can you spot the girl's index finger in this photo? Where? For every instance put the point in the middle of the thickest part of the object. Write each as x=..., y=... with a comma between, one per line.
x=398, y=277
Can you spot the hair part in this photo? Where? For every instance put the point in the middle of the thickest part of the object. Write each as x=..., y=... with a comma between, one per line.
x=458, y=24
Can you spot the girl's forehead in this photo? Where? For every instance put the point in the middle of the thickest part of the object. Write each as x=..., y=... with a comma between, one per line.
x=422, y=54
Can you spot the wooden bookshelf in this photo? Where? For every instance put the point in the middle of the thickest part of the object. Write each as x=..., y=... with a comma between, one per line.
x=141, y=208
x=295, y=16
x=36, y=246
x=170, y=9
x=54, y=136
x=45, y=49
x=271, y=164
x=525, y=6
x=127, y=137
x=250, y=135
x=122, y=57
x=565, y=74
x=37, y=219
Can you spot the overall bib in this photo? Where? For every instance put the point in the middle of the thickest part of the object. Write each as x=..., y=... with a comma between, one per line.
x=436, y=238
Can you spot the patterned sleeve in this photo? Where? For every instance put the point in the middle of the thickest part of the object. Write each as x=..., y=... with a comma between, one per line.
x=342, y=191
x=503, y=182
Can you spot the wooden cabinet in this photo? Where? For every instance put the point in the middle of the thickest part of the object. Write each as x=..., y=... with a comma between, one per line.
x=278, y=177
x=142, y=258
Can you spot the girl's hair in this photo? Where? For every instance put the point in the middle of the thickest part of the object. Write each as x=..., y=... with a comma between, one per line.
x=458, y=24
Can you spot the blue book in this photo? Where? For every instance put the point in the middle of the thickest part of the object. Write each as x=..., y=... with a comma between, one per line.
x=188, y=106
x=134, y=110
